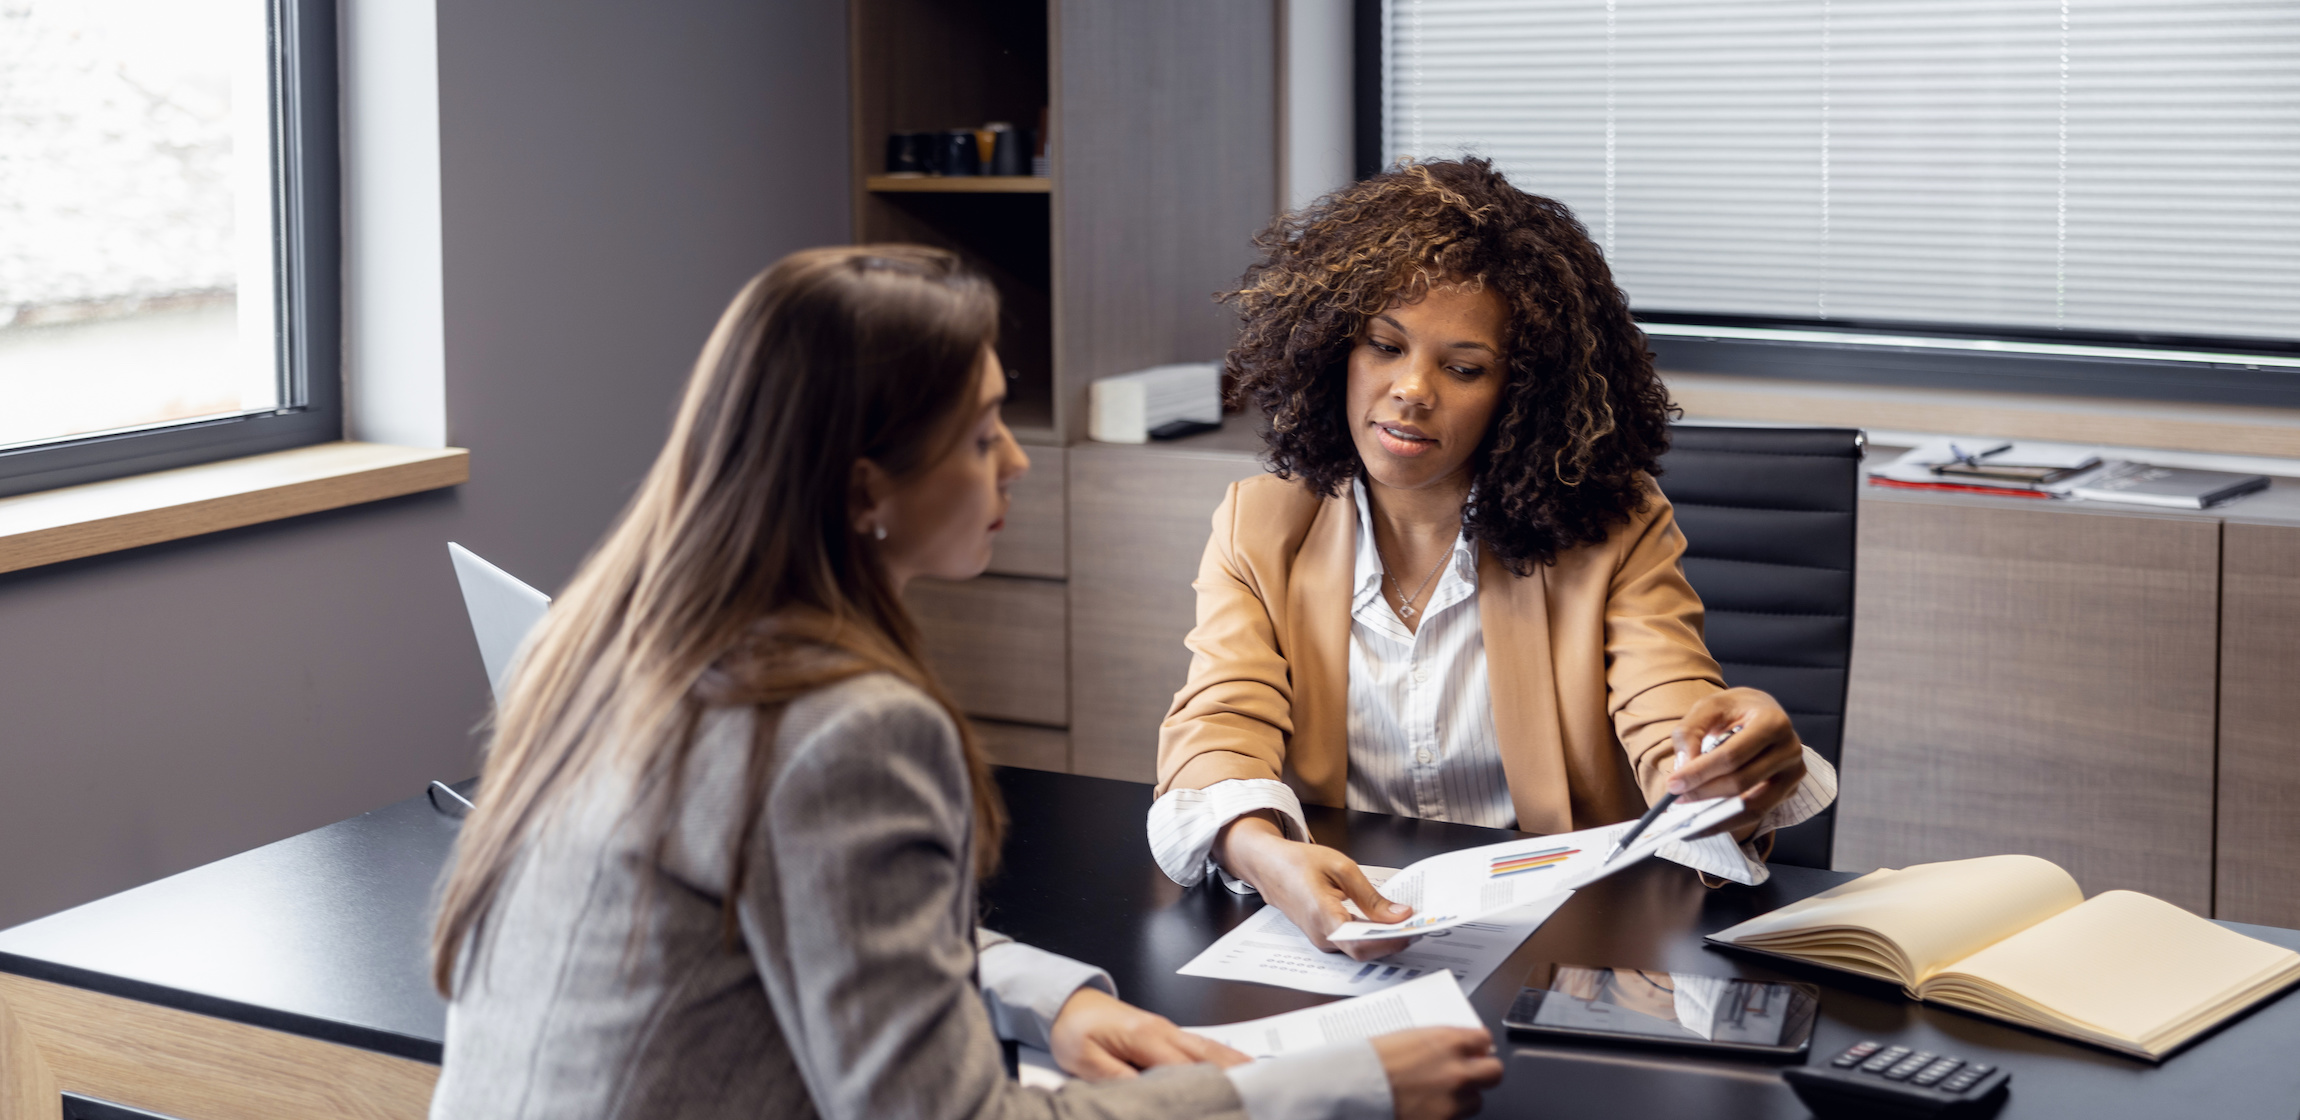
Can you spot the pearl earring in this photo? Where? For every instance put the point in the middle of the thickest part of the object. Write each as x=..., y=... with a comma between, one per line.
x=879, y=531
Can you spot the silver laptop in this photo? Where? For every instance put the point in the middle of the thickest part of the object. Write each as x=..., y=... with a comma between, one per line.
x=503, y=612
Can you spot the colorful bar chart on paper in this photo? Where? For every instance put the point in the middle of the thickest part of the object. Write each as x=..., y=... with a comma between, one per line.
x=1504, y=866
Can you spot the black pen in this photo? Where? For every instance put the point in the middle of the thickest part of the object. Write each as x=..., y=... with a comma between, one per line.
x=1708, y=743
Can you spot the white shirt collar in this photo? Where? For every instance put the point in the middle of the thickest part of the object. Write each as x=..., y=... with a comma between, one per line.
x=1367, y=578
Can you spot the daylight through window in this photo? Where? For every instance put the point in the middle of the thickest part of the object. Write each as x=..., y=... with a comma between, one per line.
x=137, y=240
x=2105, y=169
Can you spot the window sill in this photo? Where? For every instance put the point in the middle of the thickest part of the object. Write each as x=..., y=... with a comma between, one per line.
x=75, y=521
x=2225, y=429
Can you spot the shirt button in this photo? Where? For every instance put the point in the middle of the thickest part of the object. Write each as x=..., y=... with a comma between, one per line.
x=1423, y=758
x=1421, y=675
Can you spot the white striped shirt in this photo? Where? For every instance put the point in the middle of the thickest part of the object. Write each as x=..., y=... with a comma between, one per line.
x=1422, y=742
x=1421, y=736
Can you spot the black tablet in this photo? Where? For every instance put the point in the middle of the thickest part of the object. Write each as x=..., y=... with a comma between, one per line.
x=1678, y=1009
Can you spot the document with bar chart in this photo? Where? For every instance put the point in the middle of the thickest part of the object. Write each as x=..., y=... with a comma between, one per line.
x=1476, y=883
x=1267, y=948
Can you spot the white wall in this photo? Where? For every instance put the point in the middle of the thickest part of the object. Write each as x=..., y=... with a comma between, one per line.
x=394, y=356
x=1315, y=109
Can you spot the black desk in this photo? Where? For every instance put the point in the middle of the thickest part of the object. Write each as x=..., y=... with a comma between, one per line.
x=1079, y=881
x=321, y=937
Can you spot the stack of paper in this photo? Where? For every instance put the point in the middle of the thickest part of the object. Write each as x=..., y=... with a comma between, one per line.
x=1991, y=467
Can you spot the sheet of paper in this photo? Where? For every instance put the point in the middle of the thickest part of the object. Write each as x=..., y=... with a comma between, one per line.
x=1035, y=1068
x=1476, y=883
x=1432, y=1001
x=1267, y=948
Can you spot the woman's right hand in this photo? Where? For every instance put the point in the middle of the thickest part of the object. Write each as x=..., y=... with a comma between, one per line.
x=1307, y=883
x=1438, y=1073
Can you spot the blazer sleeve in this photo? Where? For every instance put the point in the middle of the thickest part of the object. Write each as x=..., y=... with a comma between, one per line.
x=864, y=850
x=1657, y=666
x=1235, y=711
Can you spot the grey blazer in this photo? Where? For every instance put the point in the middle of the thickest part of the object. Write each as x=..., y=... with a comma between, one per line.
x=604, y=986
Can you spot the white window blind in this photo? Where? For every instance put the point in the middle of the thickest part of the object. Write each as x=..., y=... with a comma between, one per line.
x=2119, y=166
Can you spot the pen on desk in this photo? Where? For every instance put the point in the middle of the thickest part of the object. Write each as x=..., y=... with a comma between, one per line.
x=1973, y=461
x=1709, y=742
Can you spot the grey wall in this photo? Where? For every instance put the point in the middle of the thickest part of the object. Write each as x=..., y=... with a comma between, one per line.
x=611, y=173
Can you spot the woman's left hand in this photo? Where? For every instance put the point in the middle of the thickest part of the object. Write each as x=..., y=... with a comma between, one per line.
x=1099, y=1037
x=1761, y=764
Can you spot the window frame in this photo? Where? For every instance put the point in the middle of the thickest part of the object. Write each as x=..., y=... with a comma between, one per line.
x=307, y=260
x=1954, y=356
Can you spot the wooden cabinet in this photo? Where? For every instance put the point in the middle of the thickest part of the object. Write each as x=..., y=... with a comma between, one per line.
x=1036, y=540
x=2035, y=680
x=1139, y=518
x=997, y=644
x=1162, y=156
x=2258, y=876
x=1026, y=745
x=56, y=1039
x=1162, y=153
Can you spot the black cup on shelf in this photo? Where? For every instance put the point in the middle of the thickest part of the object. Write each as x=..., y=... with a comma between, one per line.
x=908, y=153
x=1010, y=149
x=955, y=153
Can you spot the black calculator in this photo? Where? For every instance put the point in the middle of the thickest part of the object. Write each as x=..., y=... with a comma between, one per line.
x=1873, y=1079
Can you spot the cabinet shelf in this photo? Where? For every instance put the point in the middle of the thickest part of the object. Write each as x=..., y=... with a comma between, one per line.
x=961, y=184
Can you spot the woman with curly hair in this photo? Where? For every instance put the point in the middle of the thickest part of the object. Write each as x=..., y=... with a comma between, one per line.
x=1458, y=595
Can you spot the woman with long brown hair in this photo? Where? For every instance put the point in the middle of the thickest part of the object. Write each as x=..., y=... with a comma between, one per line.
x=727, y=839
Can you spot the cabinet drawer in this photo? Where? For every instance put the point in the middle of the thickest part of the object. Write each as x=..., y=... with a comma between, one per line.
x=2259, y=769
x=1000, y=644
x=1143, y=514
x=1035, y=541
x=1025, y=745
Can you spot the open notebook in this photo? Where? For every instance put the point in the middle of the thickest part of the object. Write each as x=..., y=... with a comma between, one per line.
x=2012, y=938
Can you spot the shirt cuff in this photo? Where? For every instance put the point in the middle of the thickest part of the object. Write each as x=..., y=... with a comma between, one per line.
x=1184, y=823
x=1344, y=1081
x=1025, y=988
x=1719, y=855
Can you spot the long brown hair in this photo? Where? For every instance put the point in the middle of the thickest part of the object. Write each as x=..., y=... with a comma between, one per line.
x=735, y=576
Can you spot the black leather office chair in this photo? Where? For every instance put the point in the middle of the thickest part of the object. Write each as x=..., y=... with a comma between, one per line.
x=1768, y=515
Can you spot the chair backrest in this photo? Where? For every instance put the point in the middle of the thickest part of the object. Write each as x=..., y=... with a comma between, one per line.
x=1768, y=515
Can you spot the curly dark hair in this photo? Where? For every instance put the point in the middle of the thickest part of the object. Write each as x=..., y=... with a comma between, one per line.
x=1582, y=415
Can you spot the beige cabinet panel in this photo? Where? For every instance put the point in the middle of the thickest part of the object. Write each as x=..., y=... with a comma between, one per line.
x=2034, y=680
x=1035, y=541
x=1167, y=165
x=997, y=643
x=1025, y=745
x=56, y=1039
x=2258, y=877
x=1139, y=517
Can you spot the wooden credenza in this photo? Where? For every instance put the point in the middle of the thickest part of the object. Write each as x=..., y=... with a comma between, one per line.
x=56, y=1039
x=2114, y=689
x=290, y=980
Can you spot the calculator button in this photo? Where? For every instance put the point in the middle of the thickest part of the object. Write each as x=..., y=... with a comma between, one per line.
x=1966, y=1078
x=1884, y=1061
x=1909, y=1065
x=1934, y=1072
x=1854, y=1053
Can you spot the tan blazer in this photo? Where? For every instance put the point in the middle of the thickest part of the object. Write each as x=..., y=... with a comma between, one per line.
x=1591, y=661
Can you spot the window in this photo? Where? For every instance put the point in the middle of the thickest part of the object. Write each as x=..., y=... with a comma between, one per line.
x=2097, y=196
x=168, y=210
